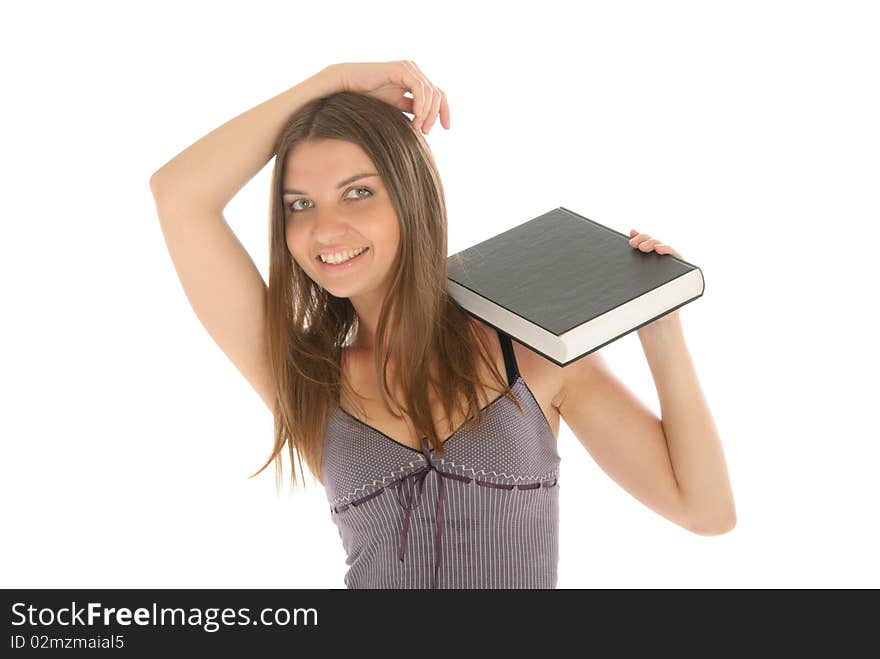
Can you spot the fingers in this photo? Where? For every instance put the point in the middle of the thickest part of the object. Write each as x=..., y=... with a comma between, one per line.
x=428, y=100
x=444, y=110
x=642, y=240
x=409, y=81
x=432, y=113
x=422, y=93
x=645, y=243
x=431, y=110
x=636, y=238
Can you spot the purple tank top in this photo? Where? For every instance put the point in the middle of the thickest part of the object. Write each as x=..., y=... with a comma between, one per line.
x=484, y=516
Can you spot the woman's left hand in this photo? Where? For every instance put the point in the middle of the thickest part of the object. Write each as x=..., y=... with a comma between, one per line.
x=645, y=243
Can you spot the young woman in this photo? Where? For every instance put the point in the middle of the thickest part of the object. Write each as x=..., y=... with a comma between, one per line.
x=433, y=433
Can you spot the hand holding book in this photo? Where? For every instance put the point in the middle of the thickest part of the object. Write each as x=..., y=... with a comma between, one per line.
x=565, y=285
x=645, y=243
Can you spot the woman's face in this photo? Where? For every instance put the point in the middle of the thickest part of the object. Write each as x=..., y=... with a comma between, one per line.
x=325, y=211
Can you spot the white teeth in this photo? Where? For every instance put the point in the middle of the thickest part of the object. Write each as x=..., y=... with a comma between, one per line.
x=341, y=257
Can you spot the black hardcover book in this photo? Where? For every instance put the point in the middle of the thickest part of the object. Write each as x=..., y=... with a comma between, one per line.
x=565, y=285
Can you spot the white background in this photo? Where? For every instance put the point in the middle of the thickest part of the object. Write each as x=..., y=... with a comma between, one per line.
x=744, y=134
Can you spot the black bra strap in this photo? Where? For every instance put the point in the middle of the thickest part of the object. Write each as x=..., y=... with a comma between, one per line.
x=509, y=357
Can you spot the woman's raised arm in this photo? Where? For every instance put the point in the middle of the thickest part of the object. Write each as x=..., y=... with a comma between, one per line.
x=219, y=277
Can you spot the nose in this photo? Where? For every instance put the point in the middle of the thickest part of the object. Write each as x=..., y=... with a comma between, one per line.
x=330, y=227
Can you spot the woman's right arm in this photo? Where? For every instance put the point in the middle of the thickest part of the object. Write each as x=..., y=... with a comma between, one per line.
x=191, y=191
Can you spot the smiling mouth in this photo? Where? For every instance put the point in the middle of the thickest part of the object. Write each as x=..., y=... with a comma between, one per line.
x=342, y=260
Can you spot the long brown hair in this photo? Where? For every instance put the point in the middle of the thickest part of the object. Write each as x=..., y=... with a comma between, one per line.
x=308, y=327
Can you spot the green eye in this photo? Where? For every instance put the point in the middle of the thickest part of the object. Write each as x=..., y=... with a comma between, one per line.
x=294, y=209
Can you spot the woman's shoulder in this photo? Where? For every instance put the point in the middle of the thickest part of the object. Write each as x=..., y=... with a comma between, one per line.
x=543, y=376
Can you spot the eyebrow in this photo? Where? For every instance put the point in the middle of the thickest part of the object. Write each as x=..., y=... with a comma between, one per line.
x=339, y=185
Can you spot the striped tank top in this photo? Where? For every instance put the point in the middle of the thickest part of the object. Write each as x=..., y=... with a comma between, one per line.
x=486, y=515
